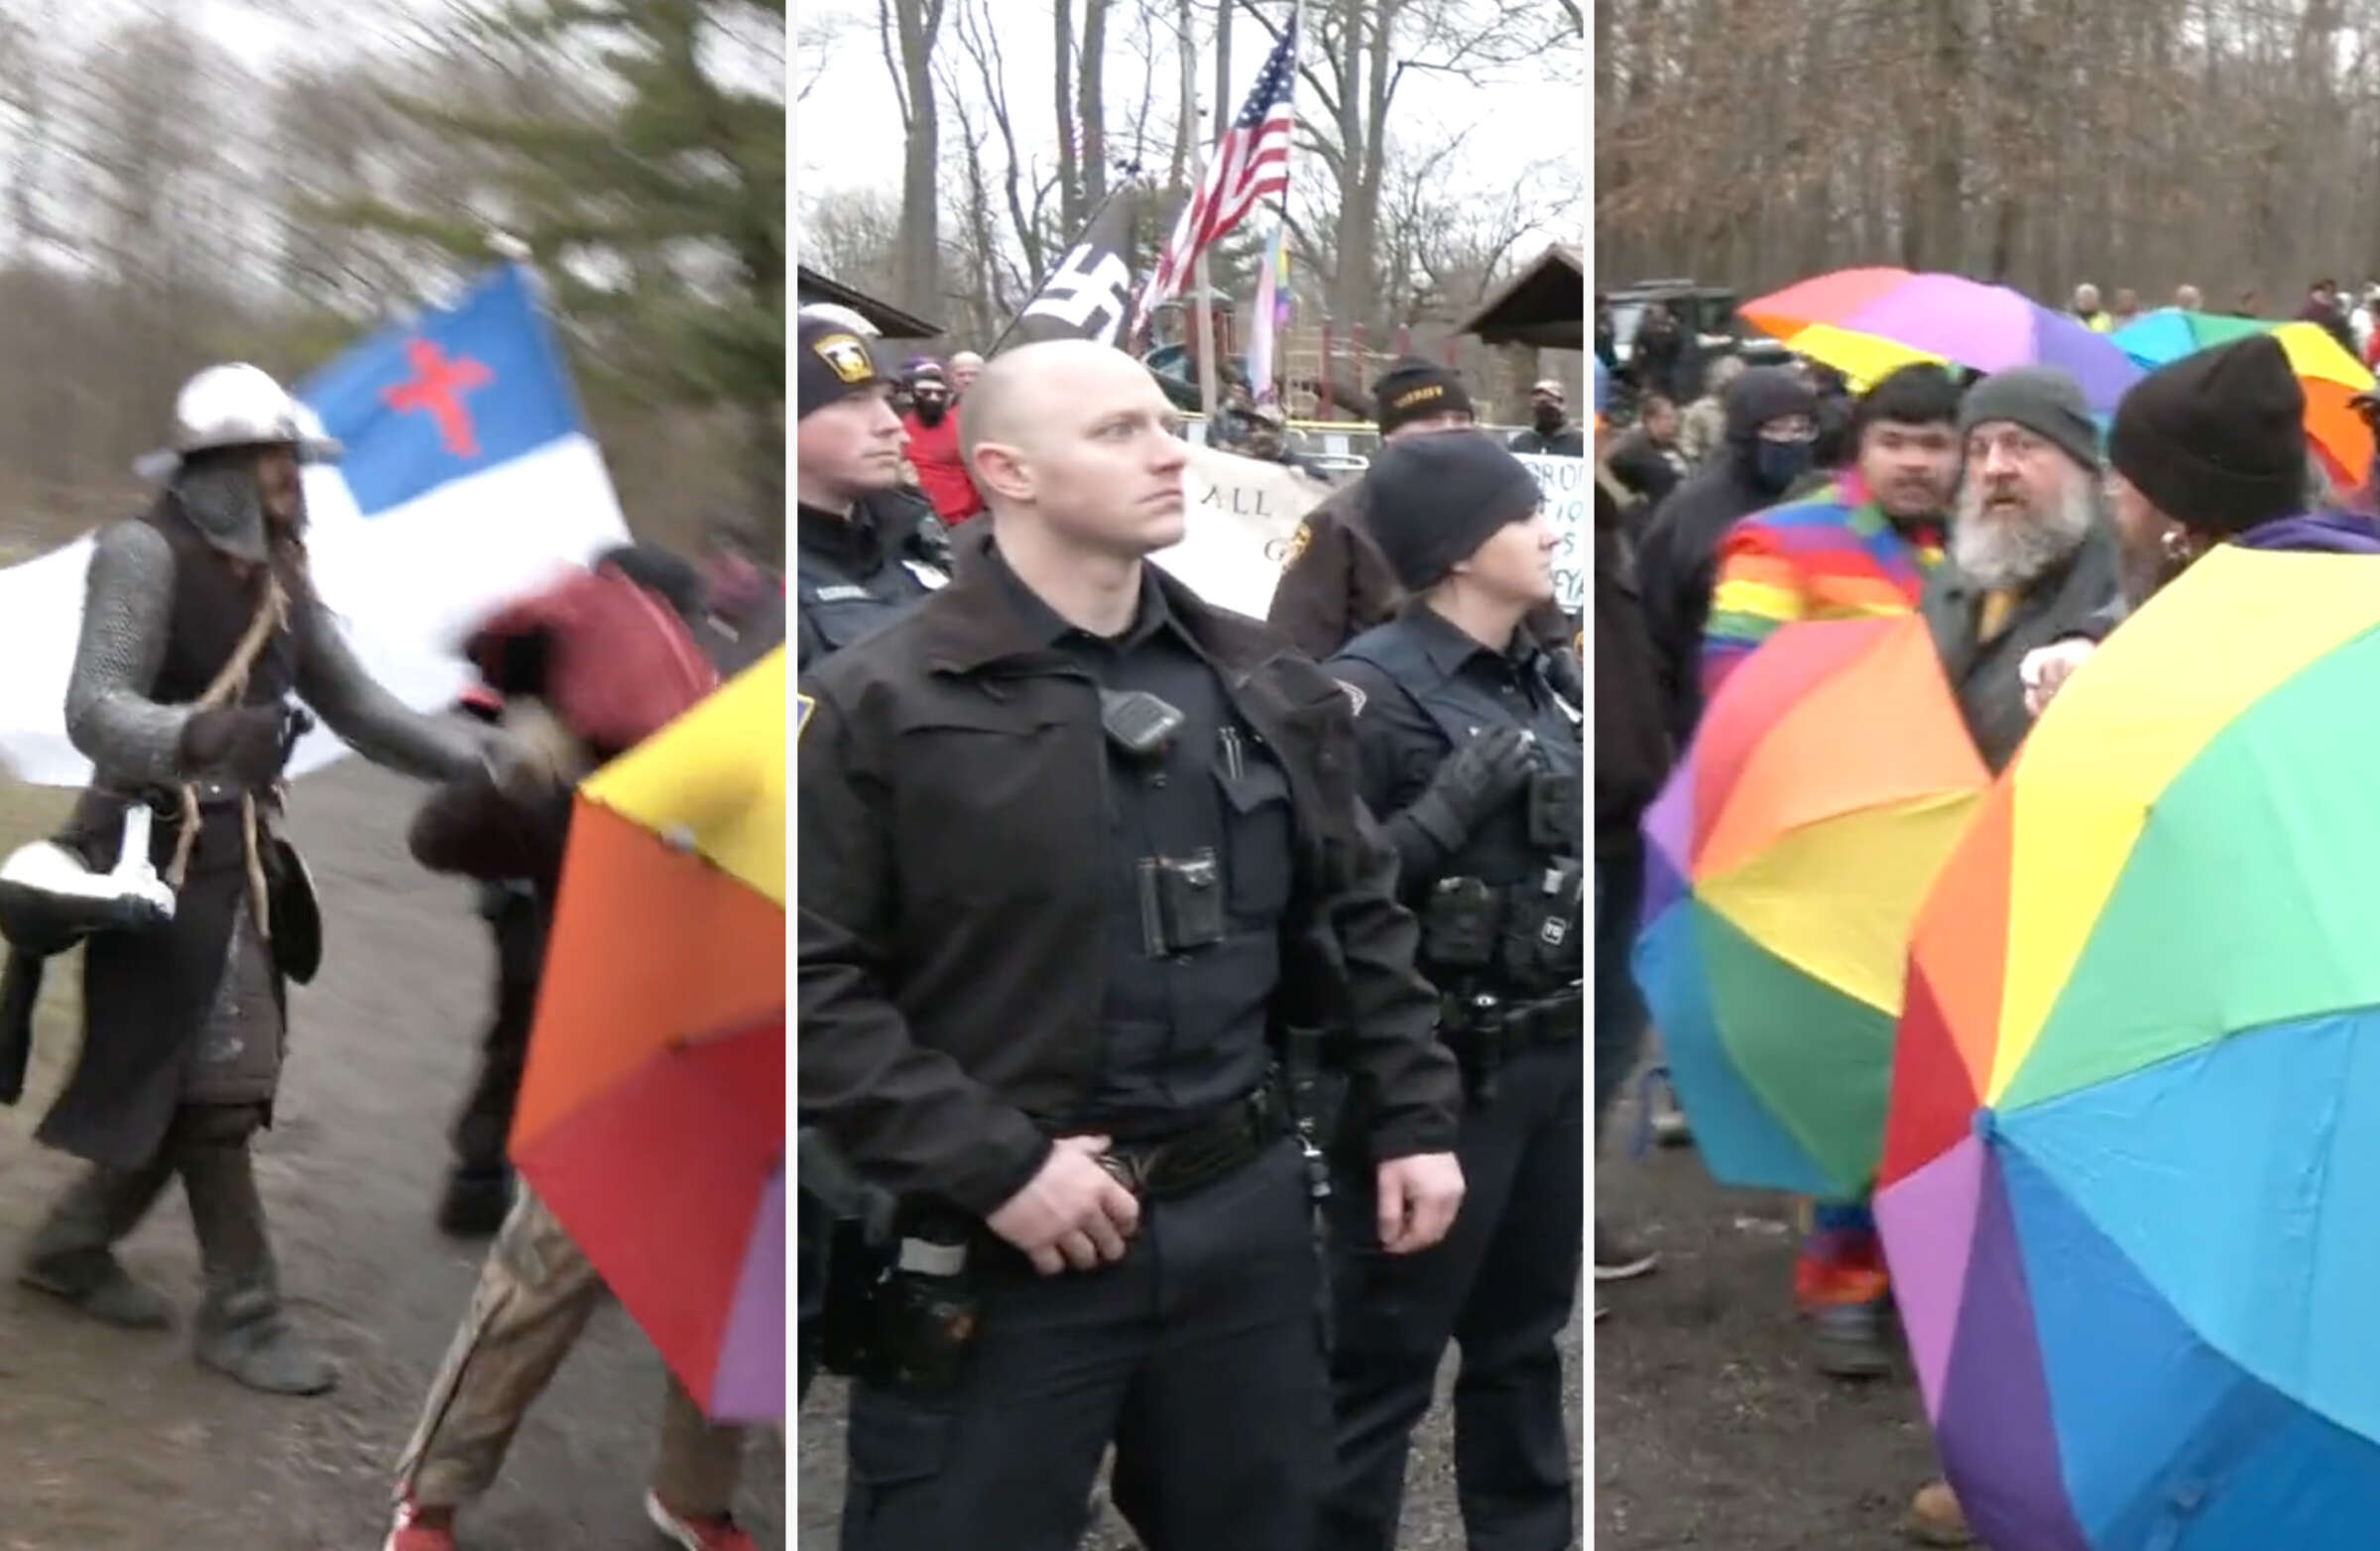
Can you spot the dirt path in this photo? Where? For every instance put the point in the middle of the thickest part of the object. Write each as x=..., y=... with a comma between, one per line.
x=1711, y=1429
x=120, y=1443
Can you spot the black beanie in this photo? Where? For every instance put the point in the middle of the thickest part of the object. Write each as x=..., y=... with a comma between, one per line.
x=1430, y=502
x=1415, y=388
x=835, y=363
x=2216, y=440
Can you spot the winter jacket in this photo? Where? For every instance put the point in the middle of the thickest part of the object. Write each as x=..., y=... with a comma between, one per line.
x=1983, y=674
x=1678, y=561
x=1633, y=748
x=1832, y=555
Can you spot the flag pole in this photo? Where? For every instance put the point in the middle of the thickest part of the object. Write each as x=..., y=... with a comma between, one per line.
x=1276, y=258
x=1203, y=318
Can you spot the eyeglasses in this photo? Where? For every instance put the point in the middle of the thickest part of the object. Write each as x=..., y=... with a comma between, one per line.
x=2020, y=446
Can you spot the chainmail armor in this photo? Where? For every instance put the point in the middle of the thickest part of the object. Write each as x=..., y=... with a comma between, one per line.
x=372, y=721
x=128, y=608
x=221, y=499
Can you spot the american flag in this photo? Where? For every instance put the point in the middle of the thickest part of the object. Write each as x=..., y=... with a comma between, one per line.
x=1249, y=162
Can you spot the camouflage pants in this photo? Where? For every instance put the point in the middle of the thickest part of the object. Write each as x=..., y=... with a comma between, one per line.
x=536, y=1293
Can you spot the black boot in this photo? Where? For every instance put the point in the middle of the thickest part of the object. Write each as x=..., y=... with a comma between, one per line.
x=72, y=1255
x=241, y=1329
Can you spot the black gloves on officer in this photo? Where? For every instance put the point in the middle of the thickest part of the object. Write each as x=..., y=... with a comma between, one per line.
x=1482, y=777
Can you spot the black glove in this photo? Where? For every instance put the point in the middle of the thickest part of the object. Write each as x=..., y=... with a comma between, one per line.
x=242, y=743
x=1482, y=777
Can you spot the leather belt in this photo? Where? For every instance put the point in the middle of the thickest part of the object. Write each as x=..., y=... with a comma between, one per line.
x=1220, y=1145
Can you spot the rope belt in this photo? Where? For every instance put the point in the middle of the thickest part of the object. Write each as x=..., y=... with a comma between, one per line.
x=272, y=616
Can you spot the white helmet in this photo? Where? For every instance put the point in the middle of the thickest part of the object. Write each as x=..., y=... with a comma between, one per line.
x=237, y=406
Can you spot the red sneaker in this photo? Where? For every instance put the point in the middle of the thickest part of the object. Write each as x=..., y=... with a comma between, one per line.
x=418, y=1528
x=718, y=1533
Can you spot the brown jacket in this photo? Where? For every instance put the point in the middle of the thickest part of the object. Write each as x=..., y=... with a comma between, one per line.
x=1337, y=584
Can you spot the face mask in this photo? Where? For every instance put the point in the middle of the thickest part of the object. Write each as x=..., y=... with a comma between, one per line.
x=1777, y=464
x=1548, y=419
x=932, y=411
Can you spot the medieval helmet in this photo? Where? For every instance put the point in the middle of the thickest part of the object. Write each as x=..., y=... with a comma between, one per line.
x=236, y=406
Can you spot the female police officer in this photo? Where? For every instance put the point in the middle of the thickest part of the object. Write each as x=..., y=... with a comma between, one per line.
x=1473, y=758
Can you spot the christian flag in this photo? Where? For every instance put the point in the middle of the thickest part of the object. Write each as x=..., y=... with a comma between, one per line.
x=469, y=477
x=1090, y=294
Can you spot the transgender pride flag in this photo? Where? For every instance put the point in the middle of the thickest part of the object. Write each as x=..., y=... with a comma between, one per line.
x=469, y=477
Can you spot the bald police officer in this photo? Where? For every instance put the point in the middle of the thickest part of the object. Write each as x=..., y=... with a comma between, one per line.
x=1076, y=851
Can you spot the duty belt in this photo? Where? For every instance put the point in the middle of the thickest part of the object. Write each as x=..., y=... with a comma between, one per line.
x=1488, y=1026
x=1221, y=1144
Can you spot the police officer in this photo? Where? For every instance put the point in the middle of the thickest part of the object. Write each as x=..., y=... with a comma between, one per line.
x=1070, y=839
x=866, y=551
x=1336, y=585
x=1474, y=758
x=865, y=548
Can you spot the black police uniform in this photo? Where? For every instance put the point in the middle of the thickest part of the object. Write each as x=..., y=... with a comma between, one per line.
x=852, y=575
x=1014, y=927
x=1503, y=1282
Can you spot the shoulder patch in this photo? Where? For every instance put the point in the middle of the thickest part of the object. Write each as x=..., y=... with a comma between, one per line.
x=802, y=707
x=1297, y=543
x=1357, y=696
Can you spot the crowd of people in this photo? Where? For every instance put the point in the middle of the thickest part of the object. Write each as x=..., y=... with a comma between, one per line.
x=205, y=653
x=1995, y=508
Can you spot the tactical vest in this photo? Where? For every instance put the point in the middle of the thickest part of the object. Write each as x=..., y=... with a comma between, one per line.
x=1507, y=910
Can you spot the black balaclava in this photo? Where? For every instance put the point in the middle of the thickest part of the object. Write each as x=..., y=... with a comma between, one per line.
x=1761, y=395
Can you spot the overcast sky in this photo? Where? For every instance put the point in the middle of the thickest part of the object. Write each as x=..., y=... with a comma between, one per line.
x=847, y=134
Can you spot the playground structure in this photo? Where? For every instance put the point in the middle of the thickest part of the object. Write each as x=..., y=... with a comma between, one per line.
x=1324, y=370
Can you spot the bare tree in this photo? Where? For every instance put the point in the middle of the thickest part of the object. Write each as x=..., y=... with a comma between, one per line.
x=2132, y=143
x=917, y=267
x=1356, y=56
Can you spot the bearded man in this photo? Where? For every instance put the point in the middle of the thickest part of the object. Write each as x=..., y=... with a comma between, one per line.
x=199, y=620
x=933, y=432
x=2031, y=558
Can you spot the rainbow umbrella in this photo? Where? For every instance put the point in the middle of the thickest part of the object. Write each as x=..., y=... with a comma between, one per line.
x=652, y=1112
x=2131, y=1179
x=2330, y=376
x=1867, y=322
x=1786, y=858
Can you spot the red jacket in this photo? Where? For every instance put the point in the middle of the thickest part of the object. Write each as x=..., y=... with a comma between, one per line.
x=613, y=660
x=941, y=474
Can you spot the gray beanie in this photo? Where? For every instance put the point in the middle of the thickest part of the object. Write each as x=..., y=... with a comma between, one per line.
x=2042, y=400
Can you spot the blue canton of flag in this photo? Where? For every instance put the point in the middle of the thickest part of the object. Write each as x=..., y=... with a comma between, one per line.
x=447, y=394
